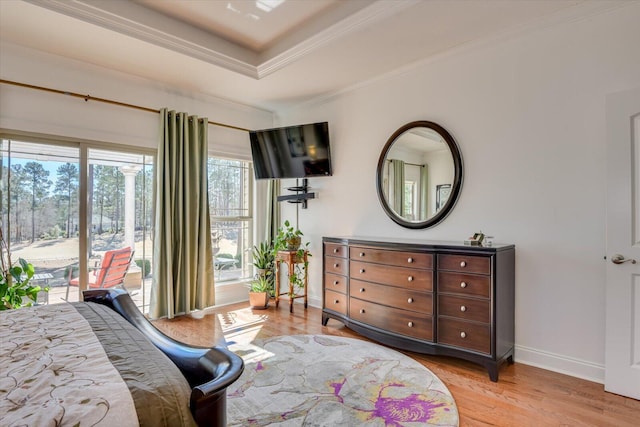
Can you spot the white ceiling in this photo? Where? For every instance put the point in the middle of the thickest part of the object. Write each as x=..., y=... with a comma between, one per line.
x=271, y=54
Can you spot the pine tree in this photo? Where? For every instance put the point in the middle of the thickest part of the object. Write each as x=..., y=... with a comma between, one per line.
x=66, y=187
x=17, y=195
x=36, y=178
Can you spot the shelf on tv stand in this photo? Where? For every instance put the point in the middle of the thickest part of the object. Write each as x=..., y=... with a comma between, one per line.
x=301, y=196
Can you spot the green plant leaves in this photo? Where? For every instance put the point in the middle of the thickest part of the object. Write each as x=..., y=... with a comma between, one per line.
x=15, y=287
x=27, y=268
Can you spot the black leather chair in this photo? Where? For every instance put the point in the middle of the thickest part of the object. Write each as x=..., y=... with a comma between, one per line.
x=209, y=371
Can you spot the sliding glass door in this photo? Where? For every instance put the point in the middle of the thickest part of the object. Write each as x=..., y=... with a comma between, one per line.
x=120, y=214
x=40, y=208
x=61, y=200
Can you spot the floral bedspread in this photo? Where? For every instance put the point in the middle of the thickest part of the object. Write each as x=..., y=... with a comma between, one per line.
x=55, y=372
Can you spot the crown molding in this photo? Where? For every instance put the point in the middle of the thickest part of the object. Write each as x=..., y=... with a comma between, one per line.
x=134, y=20
x=376, y=12
x=114, y=20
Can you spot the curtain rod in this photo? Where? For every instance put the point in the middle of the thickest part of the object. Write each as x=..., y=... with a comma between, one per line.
x=407, y=163
x=106, y=101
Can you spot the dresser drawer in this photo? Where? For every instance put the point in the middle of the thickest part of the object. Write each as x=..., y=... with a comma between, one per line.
x=465, y=263
x=397, y=258
x=336, y=283
x=405, y=299
x=475, y=309
x=403, y=322
x=461, y=333
x=335, y=249
x=335, y=301
x=464, y=284
x=336, y=265
x=395, y=276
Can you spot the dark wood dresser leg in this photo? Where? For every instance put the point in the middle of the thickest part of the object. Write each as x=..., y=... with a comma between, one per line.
x=493, y=372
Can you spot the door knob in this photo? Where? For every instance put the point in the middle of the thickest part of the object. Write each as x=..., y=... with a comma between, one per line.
x=620, y=259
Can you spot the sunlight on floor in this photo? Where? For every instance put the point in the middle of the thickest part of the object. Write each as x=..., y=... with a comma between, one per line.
x=241, y=326
x=250, y=352
x=240, y=329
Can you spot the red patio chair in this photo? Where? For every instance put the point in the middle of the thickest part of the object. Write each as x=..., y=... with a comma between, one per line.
x=111, y=272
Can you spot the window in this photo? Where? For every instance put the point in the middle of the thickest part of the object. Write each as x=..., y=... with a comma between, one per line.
x=231, y=211
x=410, y=200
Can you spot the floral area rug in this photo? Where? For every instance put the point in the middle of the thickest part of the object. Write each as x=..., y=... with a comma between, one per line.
x=322, y=380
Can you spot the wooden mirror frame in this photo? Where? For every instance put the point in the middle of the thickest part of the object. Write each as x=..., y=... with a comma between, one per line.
x=456, y=185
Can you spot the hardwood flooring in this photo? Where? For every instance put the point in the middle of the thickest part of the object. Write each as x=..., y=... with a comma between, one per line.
x=523, y=396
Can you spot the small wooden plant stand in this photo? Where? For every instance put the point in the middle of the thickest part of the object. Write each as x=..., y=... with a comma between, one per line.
x=291, y=258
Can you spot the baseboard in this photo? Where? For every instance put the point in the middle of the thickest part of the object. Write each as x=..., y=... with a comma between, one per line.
x=233, y=293
x=315, y=302
x=558, y=363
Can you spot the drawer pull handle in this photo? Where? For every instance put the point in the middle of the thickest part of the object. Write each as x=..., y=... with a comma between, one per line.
x=410, y=278
x=410, y=300
x=410, y=260
x=410, y=324
x=335, y=301
x=463, y=335
x=361, y=253
x=463, y=284
x=336, y=250
x=335, y=282
x=336, y=265
x=463, y=264
x=463, y=308
x=361, y=289
x=362, y=311
x=362, y=270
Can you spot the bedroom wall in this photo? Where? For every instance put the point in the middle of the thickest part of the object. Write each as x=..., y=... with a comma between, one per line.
x=34, y=111
x=54, y=114
x=528, y=112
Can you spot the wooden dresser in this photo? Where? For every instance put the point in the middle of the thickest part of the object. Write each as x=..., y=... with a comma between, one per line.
x=440, y=298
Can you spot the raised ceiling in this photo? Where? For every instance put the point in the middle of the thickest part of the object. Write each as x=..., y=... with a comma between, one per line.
x=272, y=54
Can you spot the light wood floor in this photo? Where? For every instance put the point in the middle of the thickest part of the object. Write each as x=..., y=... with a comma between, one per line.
x=523, y=396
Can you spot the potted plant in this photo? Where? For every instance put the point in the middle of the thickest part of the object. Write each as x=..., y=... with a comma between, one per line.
x=263, y=258
x=259, y=292
x=288, y=238
x=264, y=262
x=15, y=287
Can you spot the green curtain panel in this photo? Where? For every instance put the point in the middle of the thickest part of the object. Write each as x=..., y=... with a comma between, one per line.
x=183, y=256
x=398, y=186
x=272, y=210
x=424, y=192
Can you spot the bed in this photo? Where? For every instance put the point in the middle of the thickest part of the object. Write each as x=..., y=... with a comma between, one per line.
x=100, y=362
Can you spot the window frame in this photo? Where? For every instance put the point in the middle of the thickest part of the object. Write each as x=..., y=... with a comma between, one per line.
x=248, y=196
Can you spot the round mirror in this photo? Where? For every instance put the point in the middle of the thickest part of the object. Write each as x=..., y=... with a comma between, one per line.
x=419, y=175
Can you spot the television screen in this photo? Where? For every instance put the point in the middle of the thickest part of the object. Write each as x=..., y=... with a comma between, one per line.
x=291, y=152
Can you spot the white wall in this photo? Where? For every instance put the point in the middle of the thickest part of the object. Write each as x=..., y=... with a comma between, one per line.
x=54, y=114
x=529, y=115
x=34, y=111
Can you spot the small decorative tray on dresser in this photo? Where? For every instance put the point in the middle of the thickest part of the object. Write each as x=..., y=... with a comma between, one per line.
x=440, y=298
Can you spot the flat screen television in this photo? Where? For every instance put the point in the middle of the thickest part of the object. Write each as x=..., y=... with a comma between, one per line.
x=291, y=152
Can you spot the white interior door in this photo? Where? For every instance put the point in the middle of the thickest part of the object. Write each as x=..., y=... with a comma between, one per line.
x=622, y=351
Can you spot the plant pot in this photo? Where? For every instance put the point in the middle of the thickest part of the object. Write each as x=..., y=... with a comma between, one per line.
x=294, y=243
x=259, y=300
x=262, y=272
